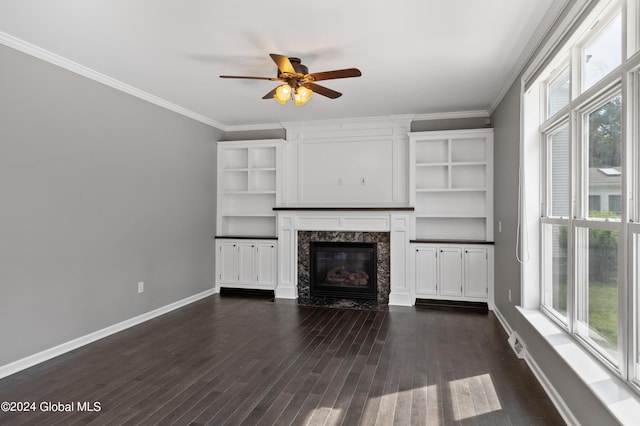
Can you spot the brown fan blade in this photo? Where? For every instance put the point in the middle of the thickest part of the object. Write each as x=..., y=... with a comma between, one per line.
x=329, y=75
x=283, y=63
x=252, y=78
x=270, y=94
x=321, y=90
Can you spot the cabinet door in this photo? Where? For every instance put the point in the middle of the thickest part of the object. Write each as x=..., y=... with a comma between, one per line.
x=426, y=264
x=266, y=265
x=226, y=262
x=450, y=271
x=476, y=281
x=246, y=262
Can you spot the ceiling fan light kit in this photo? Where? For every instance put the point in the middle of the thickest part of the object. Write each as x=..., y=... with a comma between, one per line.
x=299, y=83
x=300, y=94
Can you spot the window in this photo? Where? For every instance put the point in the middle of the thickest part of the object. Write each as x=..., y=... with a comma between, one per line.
x=597, y=290
x=558, y=92
x=555, y=239
x=602, y=53
x=583, y=113
x=603, y=171
x=558, y=143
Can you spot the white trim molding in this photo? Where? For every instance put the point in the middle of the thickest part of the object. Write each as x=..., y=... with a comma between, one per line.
x=553, y=394
x=480, y=113
x=52, y=58
x=47, y=354
x=535, y=45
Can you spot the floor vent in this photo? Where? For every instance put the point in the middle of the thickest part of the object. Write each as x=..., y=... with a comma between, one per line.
x=517, y=345
x=452, y=304
x=247, y=292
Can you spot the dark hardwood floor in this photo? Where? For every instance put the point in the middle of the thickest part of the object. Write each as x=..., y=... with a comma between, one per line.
x=246, y=360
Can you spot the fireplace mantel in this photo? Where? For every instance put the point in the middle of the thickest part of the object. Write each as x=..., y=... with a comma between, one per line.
x=345, y=208
x=393, y=219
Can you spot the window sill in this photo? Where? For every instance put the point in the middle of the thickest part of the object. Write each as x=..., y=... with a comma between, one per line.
x=613, y=393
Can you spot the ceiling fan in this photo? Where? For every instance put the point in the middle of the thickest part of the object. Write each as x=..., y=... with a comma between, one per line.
x=299, y=83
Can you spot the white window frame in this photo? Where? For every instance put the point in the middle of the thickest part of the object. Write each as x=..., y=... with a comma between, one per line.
x=624, y=79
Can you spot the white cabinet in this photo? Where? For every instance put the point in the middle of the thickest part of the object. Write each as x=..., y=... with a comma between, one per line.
x=450, y=268
x=451, y=184
x=453, y=272
x=249, y=186
x=476, y=272
x=246, y=263
x=426, y=271
x=226, y=255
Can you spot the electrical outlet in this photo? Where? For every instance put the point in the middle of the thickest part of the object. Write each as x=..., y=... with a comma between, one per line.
x=141, y=287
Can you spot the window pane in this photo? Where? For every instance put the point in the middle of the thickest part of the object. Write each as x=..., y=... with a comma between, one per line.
x=558, y=93
x=555, y=264
x=605, y=143
x=598, y=289
x=603, y=53
x=559, y=178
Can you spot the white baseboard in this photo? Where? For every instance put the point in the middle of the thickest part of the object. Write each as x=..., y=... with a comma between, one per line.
x=47, y=354
x=551, y=392
x=399, y=299
x=285, y=293
x=502, y=321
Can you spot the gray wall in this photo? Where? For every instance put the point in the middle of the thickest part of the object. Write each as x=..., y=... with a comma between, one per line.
x=254, y=134
x=449, y=124
x=506, y=120
x=99, y=190
x=579, y=399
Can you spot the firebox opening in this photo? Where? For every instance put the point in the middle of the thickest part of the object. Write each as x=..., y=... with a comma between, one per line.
x=343, y=270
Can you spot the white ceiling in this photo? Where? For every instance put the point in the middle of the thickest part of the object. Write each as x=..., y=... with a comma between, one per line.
x=416, y=56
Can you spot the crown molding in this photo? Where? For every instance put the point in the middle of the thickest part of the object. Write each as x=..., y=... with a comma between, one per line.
x=451, y=115
x=52, y=58
x=533, y=46
x=250, y=127
x=398, y=118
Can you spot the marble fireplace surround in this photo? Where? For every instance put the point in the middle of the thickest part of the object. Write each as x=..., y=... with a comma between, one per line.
x=345, y=222
x=381, y=239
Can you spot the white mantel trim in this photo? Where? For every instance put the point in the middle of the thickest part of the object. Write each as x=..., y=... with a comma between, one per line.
x=396, y=223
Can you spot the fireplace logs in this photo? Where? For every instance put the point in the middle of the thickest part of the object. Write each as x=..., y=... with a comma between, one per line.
x=340, y=275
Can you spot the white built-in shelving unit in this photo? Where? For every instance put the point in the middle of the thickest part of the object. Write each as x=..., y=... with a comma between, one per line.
x=249, y=187
x=249, y=182
x=451, y=184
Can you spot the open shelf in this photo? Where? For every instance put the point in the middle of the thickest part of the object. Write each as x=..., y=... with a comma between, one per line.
x=447, y=203
x=247, y=187
x=261, y=226
x=451, y=181
x=451, y=228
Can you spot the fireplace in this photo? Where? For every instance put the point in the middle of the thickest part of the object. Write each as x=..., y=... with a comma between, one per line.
x=343, y=270
x=382, y=267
